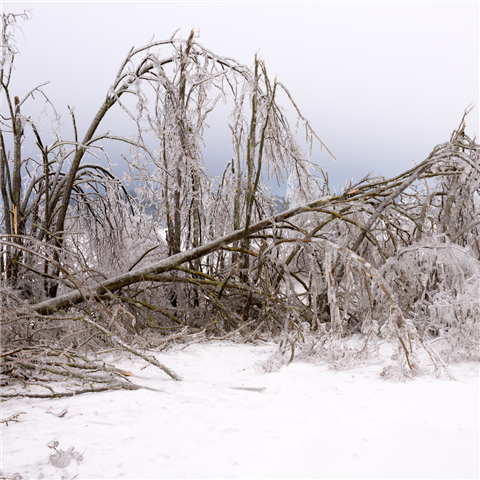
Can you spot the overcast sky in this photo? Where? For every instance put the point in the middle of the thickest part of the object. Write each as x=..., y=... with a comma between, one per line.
x=382, y=83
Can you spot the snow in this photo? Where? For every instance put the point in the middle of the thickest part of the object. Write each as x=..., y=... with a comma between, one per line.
x=310, y=421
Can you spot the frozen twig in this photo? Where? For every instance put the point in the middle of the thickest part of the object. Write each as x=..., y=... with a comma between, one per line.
x=129, y=348
x=12, y=418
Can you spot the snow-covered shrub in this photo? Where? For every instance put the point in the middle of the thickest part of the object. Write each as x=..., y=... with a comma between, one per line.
x=426, y=296
x=438, y=286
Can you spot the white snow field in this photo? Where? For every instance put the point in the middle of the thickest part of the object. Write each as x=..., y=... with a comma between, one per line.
x=310, y=421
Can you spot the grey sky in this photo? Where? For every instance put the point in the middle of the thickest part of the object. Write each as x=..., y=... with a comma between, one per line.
x=382, y=83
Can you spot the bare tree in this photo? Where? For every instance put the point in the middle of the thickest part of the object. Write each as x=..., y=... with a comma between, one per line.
x=88, y=265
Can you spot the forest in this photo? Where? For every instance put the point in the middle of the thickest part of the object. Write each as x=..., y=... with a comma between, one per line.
x=168, y=254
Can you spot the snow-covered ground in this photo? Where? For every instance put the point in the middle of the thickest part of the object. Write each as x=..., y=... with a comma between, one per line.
x=309, y=422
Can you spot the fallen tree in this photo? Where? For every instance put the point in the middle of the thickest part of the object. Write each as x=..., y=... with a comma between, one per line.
x=145, y=273
x=169, y=254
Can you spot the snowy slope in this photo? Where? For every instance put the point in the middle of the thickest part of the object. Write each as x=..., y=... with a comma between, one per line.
x=309, y=422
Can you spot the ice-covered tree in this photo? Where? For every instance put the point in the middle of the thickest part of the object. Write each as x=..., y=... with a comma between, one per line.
x=85, y=263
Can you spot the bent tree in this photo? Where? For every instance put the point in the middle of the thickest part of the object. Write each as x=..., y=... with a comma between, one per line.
x=169, y=253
